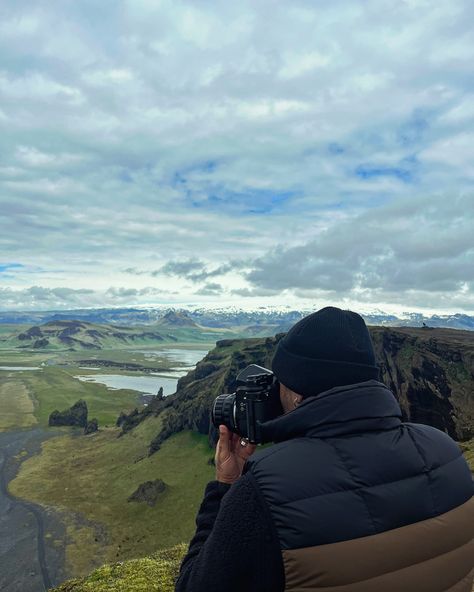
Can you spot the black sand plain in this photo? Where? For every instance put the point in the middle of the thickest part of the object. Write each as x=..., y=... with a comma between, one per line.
x=32, y=539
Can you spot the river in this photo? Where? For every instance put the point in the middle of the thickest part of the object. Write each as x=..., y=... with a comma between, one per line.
x=29, y=561
x=181, y=361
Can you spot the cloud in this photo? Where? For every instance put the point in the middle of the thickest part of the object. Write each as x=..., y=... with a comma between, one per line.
x=256, y=292
x=186, y=268
x=413, y=250
x=170, y=144
x=193, y=270
x=210, y=289
x=41, y=298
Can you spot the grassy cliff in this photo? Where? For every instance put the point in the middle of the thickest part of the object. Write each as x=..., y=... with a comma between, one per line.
x=431, y=372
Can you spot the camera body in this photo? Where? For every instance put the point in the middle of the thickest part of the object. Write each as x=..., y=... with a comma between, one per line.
x=256, y=400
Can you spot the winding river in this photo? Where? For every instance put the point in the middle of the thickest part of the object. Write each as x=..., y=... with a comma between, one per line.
x=28, y=561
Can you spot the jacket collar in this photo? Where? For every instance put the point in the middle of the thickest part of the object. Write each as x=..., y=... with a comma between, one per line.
x=366, y=406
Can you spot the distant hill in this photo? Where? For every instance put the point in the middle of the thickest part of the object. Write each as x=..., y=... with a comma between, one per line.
x=78, y=335
x=81, y=335
x=177, y=319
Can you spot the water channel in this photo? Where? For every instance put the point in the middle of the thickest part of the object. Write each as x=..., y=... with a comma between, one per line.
x=180, y=360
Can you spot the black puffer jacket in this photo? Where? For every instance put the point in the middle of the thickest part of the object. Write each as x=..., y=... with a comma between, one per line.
x=354, y=499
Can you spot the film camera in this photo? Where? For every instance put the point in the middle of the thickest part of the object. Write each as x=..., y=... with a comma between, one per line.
x=256, y=400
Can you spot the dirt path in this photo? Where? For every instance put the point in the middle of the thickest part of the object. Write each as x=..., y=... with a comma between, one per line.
x=26, y=562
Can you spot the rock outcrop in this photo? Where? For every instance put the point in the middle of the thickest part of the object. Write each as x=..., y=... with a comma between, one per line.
x=148, y=492
x=92, y=426
x=74, y=416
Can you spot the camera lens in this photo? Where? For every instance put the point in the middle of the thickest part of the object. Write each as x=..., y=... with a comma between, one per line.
x=223, y=411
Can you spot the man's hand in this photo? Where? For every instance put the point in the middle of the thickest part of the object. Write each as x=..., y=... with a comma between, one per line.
x=231, y=453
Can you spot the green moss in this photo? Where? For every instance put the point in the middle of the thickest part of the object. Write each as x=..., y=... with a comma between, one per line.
x=155, y=573
x=406, y=355
x=457, y=372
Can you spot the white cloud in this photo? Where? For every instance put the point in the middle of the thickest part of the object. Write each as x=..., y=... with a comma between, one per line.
x=457, y=151
x=296, y=64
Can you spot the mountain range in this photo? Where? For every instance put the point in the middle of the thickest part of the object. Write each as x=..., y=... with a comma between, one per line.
x=263, y=321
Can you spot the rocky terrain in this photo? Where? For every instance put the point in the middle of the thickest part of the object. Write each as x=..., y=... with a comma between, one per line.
x=148, y=492
x=431, y=371
x=78, y=335
x=74, y=416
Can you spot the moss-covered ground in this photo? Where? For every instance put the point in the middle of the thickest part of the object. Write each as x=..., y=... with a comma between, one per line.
x=156, y=573
x=92, y=477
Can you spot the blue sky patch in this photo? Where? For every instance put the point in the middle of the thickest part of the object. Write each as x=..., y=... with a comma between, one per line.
x=368, y=172
x=8, y=267
x=334, y=148
x=252, y=201
x=413, y=130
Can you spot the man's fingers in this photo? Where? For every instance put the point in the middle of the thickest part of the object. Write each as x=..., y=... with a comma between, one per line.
x=235, y=444
x=247, y=450
x=224, y=440
x=232, y=444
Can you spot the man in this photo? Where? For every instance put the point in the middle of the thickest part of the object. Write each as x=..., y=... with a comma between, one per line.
x=348, y=499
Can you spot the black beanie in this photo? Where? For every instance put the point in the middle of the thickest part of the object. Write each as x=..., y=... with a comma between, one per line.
x=329, y=348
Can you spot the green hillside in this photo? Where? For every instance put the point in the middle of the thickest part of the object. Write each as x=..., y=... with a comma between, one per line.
x=156, y=572
x=95, y=475
x=72, y=335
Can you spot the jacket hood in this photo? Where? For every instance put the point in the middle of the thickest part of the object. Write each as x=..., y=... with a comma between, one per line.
x=362, y=407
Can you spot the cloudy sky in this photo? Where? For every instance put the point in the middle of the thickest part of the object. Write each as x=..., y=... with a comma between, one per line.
x=255, y=152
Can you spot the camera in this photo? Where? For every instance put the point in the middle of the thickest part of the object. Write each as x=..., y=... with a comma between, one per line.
x=256, y=400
